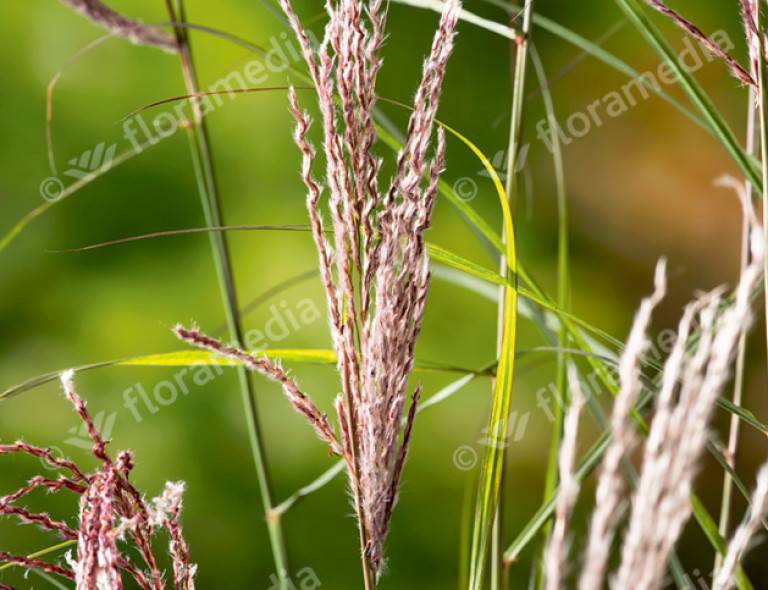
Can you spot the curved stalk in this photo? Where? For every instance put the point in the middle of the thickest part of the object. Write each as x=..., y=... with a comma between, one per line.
x=515, y=135
x=563, y=291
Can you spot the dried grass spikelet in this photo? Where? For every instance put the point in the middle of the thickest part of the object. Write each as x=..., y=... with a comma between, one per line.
x=610, y=486
x=112, y=513
x=734, y=67
x=693, y=378
x=739, y=543
x=300, y=401
x=748, y=10
x=556, y=552
x=122, y=26
x=373, y=262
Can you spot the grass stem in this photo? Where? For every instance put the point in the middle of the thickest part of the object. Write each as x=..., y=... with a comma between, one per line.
x=563, y=296
x=738, y=386
x=208, y=188
x=515, y=133
x=763, y=112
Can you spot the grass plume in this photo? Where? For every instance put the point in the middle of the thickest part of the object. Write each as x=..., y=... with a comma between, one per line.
x=692, y=379
x=116, y=522
x=122, y=26
x=374, y=265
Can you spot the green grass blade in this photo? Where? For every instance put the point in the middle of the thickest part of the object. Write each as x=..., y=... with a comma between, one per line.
x=588, y=464
x=50, y=579
x=613, y=62
x=490, y=481
x=172, y=359
x=454, y=261
x=317, y=484
x=193, y=358
x=492, y=470
x=467, y=211
x=21, y=225
x=465, y=534
x=563, y=297
x=726, y=496
x=742, y=414
x=437, y=254
x=440, y=254
x=465, y=16
x=708, y=525
x=40, y=380
x=183, y=232
x=42, y=553
x=692, y=88
x=481, y=225
x=567, y=35
x=711, y=121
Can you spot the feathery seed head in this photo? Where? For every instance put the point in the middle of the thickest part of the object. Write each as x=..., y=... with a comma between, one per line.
x=112, y=511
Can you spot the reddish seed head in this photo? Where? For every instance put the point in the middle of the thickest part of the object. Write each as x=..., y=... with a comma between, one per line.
x=111, y=511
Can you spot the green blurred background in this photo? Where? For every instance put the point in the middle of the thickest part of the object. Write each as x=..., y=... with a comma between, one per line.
x=639, y=186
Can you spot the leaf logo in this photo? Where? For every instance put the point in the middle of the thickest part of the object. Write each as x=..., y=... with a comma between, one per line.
x=99, y=158
x=102, y=422
x=516, y=428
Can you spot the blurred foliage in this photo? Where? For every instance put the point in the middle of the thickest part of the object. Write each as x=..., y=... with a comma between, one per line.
x=639, y=185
